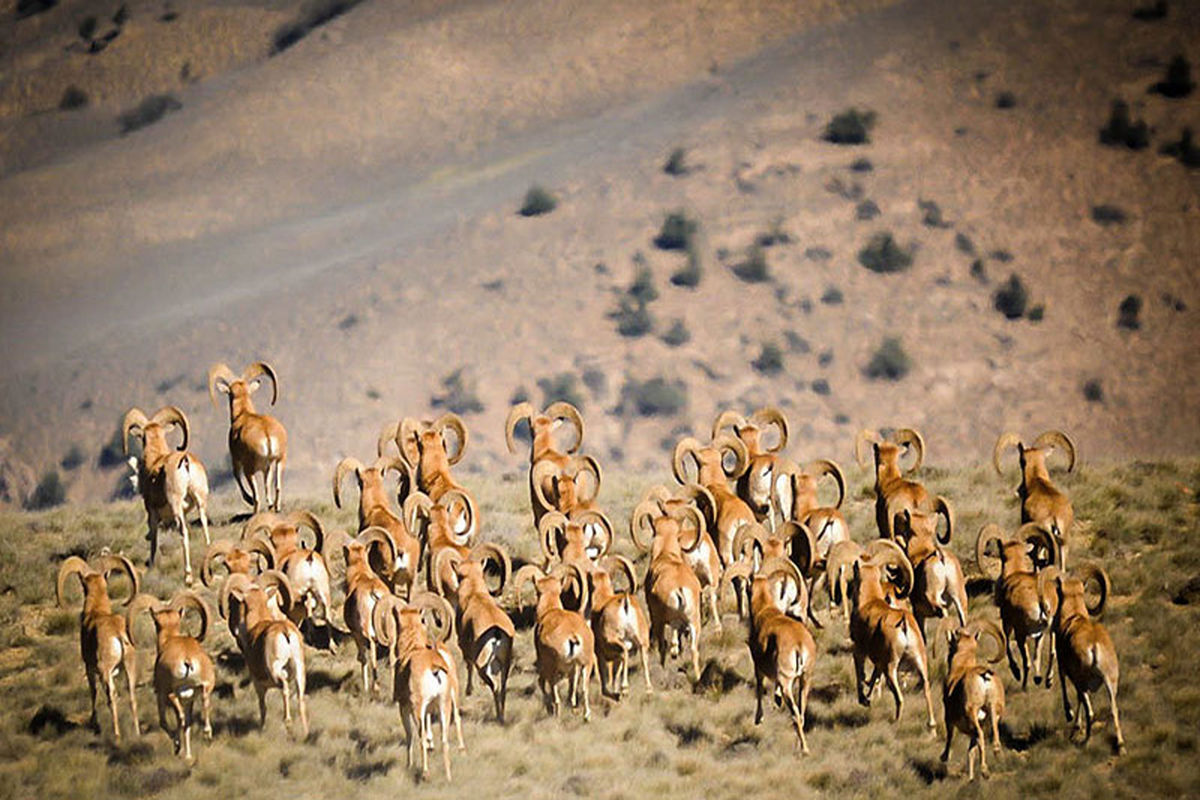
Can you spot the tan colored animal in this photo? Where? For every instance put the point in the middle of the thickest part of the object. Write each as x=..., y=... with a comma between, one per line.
x=104, y=643
x=485, y=631
x=620, y=626
x=364, y=589
x=586, y=537
x=827, y=523
x=246, y=561
x=672, y=588
x=425, y=682
x=781, y=647
x=447, y=524
x=885, y=635
x=542, y=427
x=182, y=670
x=172, y=482
x=972, y=693
x=423, y=445
x=1086, y=655
x=304, y=566
x=938, y=583
x=374, y=511
x=565, y=645
x=760, y=486
x=731, y=511
x=1027, y=605
x=1042, y=503
x=273, y=649
x=257, y=442
x=567, y=487
x=893, y=492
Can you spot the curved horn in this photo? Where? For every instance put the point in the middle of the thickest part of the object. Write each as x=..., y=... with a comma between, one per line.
x=625, y=566
x=189, y=598
x=564, y=410
x=594, y=517
x=541, y=471
x=529, y=572
x=443, y=613
x=1056, y=438
x=993, y=630
x=803, y=544
x=704, y=500
x=775, y=566
x=1007, y=439
x=550, y=526
x=987, y=534
x=910, y=437
x=140, y=602
x=740, y=453
x=220, y=376
x=727, y=419
x=239, y=584
x=385, y=619
x=283, y=586
x=590, y=465
x=455, y=423
x=263, y=368
x=841, y=555
x=701, y=526
x=1031, y=532
x=868, y=436
x=110, y=563
x=408, y=481
x=485, y=550
x=374, y=533
x=135, y=420
x=339, y=473
x=738, y=569
x=261, y=521
x=1096, y=571
x=580, y=579
x=417, y=503
x=642, y=521
x=169, y=414
x=888, y=552
x=448, y=501
x=771, y=415
x=309, y=520
x=387, y=434
x=444, y=556
x=217, y=550
x=408, y=440
x=822, y=467
x=517, y=413
x=71, y=565
x=942, y=506
x=746, y=537
x=689, y=445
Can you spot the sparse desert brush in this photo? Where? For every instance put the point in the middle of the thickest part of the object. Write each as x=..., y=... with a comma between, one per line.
x=73, y=458
x=851, y=126
x=49, y=492
x=1129, y=313
x=890, y=361
x=72, y=98
x=1011, y=298
x=563, y=386
x=148, y=112
x=832, y=296
x=654, y=397
x=882, y=254
x=676, y=163
x=867, y=210
x=1177, y=82
x=313, y=14
x=1185, y=149
x=642, y=287
x=537, y=201
x=1093, y=391
x=769, y=360
x=1106, y=214
x=458, y=394
x=632, y=317
x=1122, y=131
x=1006, y=100
x=677, y=334
x=676, y=232
x=688, y=276
x=754, y=268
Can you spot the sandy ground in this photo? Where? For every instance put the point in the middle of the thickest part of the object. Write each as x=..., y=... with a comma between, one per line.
x=346, y=210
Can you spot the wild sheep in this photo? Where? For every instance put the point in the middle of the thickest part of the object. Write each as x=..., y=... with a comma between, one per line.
x=938, y=582
x=542, y=427
x=893, y=492
x=759, y=485
x=1042, y=503
x=257, y=442
x=972, y=693
x=374, y=511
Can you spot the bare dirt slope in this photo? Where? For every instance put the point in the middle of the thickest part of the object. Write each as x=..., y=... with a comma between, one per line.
x=347, y=210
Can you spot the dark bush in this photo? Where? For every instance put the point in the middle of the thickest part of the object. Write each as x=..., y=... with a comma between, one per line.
x=27, y=8
x=832, y=296
x=1037, y=313
x=1003, y=256
x=147, y=112
x=642, y=288
x=769, y=360
x=538, y=201
x=677, y=334
x=458, y=394
x=890, y=362
x=676, y=233
x=882, y=254
x=1108, y=215
x=73, y=98
x=656, y=397
x=689, y=275
x=862, y=165
x=633, y=318
x=1185, y=150
x=563, y=386
x=676, y=164
x=1093, y=392
x=595, y=380
x=87, y=28
x=112, y=454
x=825, y=358
x=1006, y=99
x=121, y=15
x=72, y=459
x=754, y=268
x=1129, y=313
x=797, y=343
x=979, y=271
x=1178, y=80
x=773, y=236
x=850, y=127
x=49, y=492
x=866, y=210
x=820, y=386
x=1122, y=131
x=1151, y=13
x=818, y=254
x=313, y=15
x=931, y=214
x=347, y=322
x=1011, y=298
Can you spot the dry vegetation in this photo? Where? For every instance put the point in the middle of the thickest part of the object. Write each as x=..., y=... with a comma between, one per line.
x=1139, y=519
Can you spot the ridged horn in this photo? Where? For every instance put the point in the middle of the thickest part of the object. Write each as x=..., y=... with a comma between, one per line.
x=1096, y=571
x=189, y=598
x=453, y=497
x=641, y=521
x=910, y=437
x=982, y=626
x=140, y=602
x=822, y=467
x=888, y=552
x=550, y=526
x=220, y=376
x=259, y=368
x=626, y=566
x=1058, y=439
x=594, y=517
x=71, y=565
x=283, y=587
x=301, y=518
x=234, y=584
x=417, y=503
x=771, y=415
x=590, y=465
x=542, y=471
x=169, y=414
x=135, y=420
x=445, y=555
x=455, y=423
x=745, y=539
x=564, y=410
x=580, y=580
x=408, y=441
x=740, y=454
x=867, y=436
x=699, y=522
x=374, y=533
x=987, y=534
x=942, y=506
x=803, y=545
x=261, y=521
x=387, y=435
x=1007, y=439
x=727, y=419
x=442, y=611
x=529, y=572
x=110, y=563
x=841, y=555
x=515, y=414
x=1031, y=532
x=738, y=569
x=490, y=550
x=689, y=445
x=385, y=619
x=339, y=474
x=777, y=566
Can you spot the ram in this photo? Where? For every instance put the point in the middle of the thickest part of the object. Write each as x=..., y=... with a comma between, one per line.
x=374, y=511
x=585, y=537
x=563, y=640
x=236, y=559
x=792, y=542
x=425, y=681
x=485, y=631
x=938, y=583
x=1086, y=655
x=1042, y=503
x=759, y=486
x=305, y=566
x=620, y=626
x=424, y=447
x=104, y=643
x=257, y=442
x=568, y=487
x=172, y=482
x=182, y=670
x=542, y=427
x=882, y=633
x=972, y=694
x=730, y=512
x=827, y=523
x=1026, y=606
x=781, y=647
x=671, y=586
x=273, y=647
x=893, y=492
x=364, y=589
x=449, y=524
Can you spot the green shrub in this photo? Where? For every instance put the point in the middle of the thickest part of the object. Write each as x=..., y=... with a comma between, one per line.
x=1177, y=82
x=689, y=275
x=656, y=397
x=890, y=362
x=850, y=127
x=1011, y=298
x=632, y=317
x=769, y=360
x=882, y=254
x=1128, y=313
x=754, y=268
x=458, y=394
x=73, y=98
x=538, y=201
x=676, y=164
x=676, y=232
x=677, y=334
x=49, y=492
x=642, y=289
x=147, y=112
x=1123, y=131
x=563, y=386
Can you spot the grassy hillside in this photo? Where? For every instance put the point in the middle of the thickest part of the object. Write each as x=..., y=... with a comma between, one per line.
x=1139, y=520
